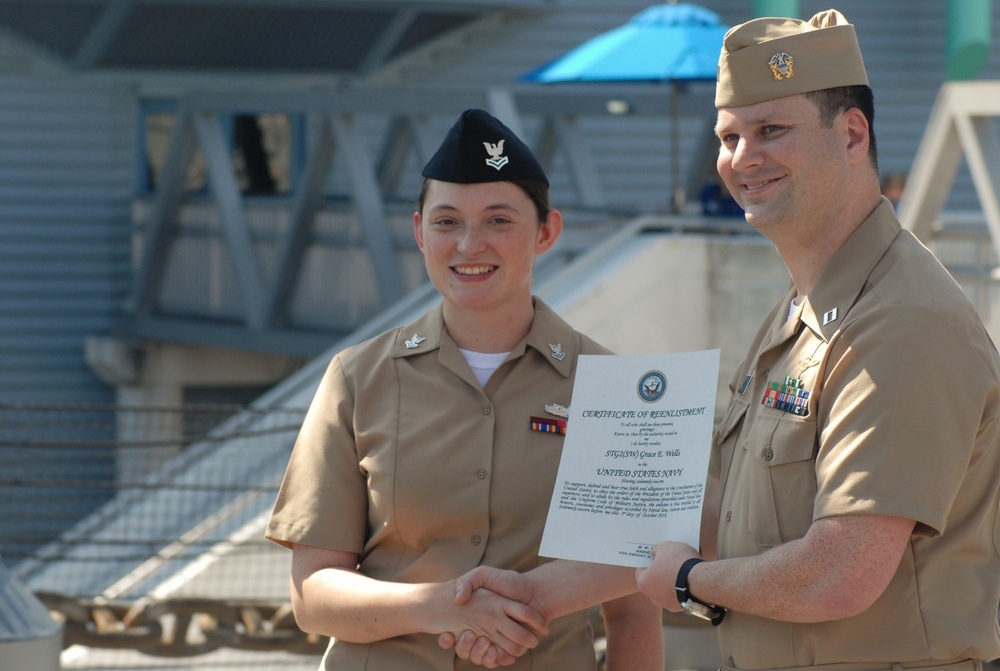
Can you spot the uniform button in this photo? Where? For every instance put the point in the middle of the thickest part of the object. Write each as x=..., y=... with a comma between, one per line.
x=729, y=515
x=477, y=539
x=481, y=473
x=768, y=454
x=487, y=409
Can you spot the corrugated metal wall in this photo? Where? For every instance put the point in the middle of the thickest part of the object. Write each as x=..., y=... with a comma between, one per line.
x=66, y=165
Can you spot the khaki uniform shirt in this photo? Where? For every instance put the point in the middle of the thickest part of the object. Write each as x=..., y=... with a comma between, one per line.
x=886, y=404
x=404, y=459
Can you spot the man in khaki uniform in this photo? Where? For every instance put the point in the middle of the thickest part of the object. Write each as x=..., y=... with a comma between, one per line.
x=851, y=516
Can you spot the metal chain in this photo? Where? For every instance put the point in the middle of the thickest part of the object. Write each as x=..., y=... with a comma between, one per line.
x=180, y=627
x=187, y=627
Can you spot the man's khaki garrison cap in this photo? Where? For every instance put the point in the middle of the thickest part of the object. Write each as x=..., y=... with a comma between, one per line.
x=770, y=58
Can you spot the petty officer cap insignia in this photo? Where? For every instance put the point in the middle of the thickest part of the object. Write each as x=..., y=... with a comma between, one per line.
x=771, y=58
x=479, y=148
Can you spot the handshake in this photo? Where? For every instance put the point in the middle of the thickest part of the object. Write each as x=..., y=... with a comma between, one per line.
x=506, y=614
x=490, y=616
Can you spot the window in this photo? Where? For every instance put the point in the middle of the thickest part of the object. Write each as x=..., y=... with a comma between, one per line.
x=266, y=150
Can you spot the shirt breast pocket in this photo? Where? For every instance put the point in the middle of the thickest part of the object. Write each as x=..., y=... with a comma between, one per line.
x=731, y=420
x=781, y=475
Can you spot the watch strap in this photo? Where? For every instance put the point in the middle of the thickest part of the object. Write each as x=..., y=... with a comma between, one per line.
x=681, y=585
x=684, y=592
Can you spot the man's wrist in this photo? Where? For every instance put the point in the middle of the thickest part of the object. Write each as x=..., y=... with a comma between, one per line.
x=689, y=602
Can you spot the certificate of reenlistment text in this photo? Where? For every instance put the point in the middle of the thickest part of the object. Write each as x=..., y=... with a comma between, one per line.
x=635, y=457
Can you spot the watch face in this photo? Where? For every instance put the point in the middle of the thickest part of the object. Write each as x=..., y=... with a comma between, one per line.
x=697, y=609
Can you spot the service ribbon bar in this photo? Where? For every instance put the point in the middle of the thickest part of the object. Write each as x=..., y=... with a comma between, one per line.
x=788, y=397
x=546, y=425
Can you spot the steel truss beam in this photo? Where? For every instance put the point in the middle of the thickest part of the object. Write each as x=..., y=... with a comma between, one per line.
x=961, y=124
x=265, y=303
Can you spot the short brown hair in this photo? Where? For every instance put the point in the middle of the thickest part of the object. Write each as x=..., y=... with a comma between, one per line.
x=832, y=102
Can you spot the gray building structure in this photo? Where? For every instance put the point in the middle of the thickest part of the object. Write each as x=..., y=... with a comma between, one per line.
x=117, y=293
x=78, y=79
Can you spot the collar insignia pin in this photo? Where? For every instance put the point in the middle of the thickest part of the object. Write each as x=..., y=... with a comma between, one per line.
x=781, y=66
x=495, y=151
x=807, y=362
x=557, y=352
x=829, y=316
x=414, y=342
x=557, y=410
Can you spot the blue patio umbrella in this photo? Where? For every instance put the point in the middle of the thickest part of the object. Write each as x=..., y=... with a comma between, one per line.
x=674, y=43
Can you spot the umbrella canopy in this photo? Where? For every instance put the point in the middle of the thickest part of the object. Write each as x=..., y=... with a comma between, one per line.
x=663, y=43
x=675, y=43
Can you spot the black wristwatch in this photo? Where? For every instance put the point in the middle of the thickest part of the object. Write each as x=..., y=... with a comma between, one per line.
x=689, y=603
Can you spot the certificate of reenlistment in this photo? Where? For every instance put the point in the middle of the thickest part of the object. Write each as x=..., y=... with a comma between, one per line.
x=635, y=457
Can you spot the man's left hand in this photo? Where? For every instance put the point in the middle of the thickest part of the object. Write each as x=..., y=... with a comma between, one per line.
x=657, y=581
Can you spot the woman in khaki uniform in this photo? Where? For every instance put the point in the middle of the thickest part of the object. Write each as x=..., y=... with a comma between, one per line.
x=433, y=448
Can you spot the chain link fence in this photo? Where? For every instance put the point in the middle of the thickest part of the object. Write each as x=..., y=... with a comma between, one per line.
x=140, y=528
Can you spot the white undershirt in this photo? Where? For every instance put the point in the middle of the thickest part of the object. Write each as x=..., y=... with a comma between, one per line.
x=793, y=306
x=483, y=364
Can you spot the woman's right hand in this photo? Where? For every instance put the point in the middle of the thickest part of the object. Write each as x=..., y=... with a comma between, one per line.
x=331, y=597
x=518, y=593
x=512, y=628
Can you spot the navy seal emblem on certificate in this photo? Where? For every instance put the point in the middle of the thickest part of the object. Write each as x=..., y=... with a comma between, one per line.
x=652, y=386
